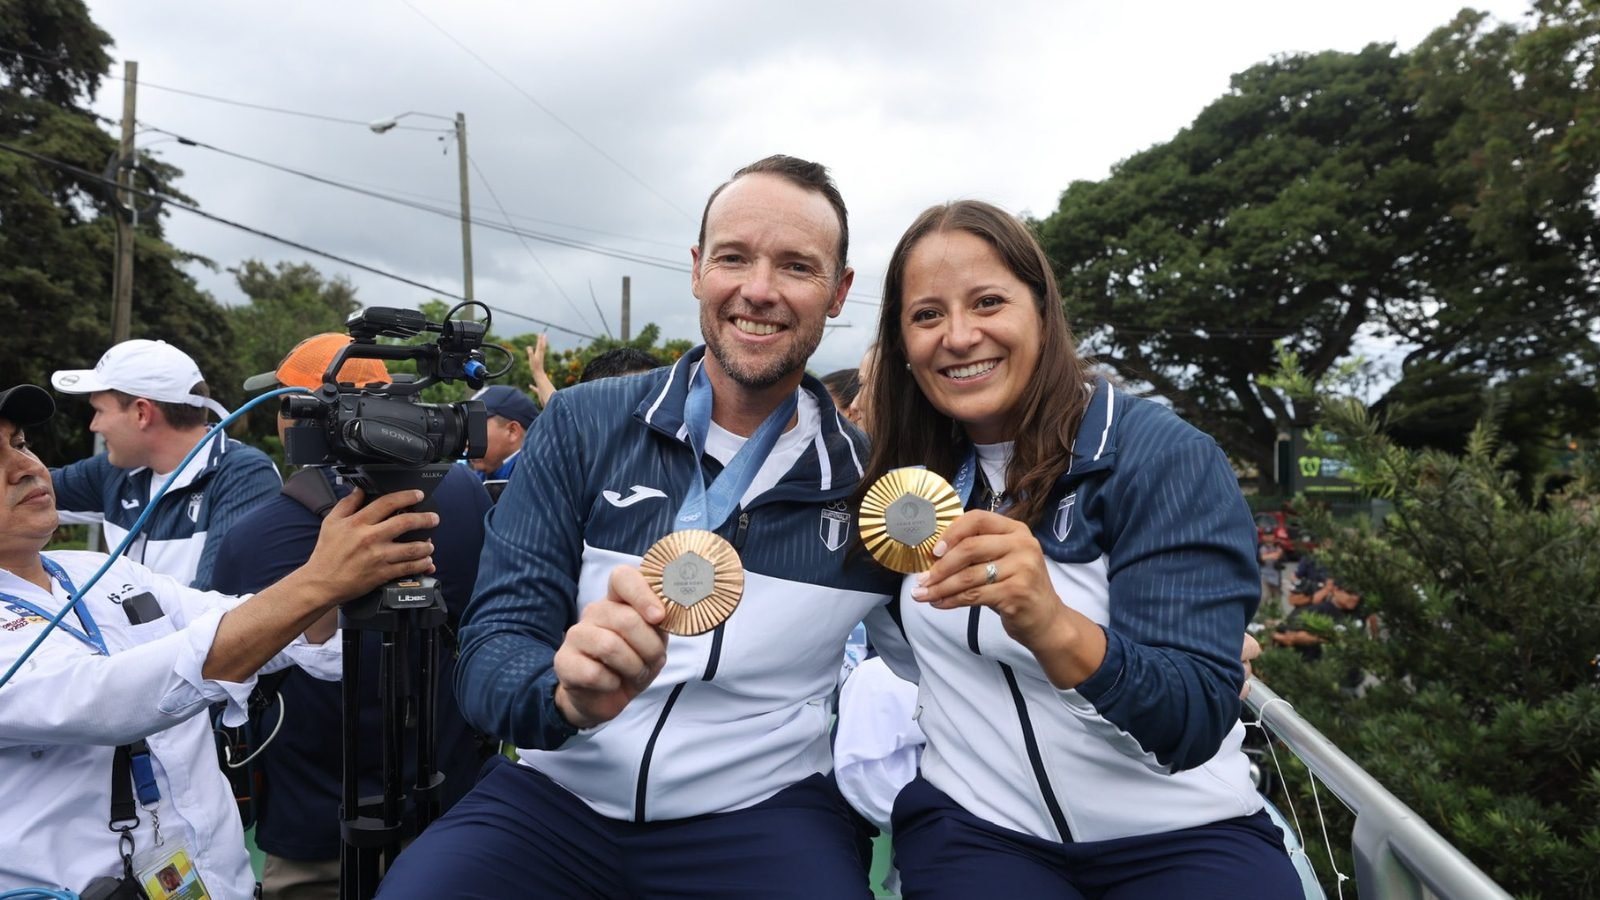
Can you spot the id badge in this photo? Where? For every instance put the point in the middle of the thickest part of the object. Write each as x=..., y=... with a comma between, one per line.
x=166, y=872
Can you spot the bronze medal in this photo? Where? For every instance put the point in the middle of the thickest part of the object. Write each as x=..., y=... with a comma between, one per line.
x=698, y=576
x=904, y=514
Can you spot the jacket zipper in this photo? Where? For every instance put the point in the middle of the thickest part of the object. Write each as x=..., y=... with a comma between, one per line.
x=1035, y=759
x=641, y=788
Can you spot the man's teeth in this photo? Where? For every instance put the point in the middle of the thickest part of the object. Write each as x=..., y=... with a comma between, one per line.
x=749, y=327
x=971, y=370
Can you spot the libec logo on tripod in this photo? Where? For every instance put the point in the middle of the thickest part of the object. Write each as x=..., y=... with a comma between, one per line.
x=409, y=593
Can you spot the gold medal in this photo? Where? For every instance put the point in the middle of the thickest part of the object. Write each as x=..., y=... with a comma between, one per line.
x=904, y=514
x=698, y=576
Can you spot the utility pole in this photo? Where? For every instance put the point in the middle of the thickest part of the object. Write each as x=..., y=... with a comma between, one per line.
x=127, y=213
x=466, y=213
x=627, y=308
x=127, y=216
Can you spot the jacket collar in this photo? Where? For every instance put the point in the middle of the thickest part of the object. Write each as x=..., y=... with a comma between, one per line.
x=204, y=463
x=1094, y=447
x=833, y=464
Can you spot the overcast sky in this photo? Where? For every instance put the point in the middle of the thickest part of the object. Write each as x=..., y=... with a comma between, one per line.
x=608, y=123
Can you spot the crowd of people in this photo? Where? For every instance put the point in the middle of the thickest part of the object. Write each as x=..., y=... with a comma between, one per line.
x=1054, y=709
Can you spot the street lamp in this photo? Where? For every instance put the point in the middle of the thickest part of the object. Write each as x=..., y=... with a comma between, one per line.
x=381, y=126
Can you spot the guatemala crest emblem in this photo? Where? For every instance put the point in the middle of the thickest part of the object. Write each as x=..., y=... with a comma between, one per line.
x=1063, y=523
x=835, y=528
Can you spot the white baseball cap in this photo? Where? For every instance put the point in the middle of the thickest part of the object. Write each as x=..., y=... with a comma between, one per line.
x=154, y=370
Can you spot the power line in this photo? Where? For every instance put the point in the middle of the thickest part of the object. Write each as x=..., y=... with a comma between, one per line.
x=391, y=191
x=272, y=109
x=61, y=64
x=496, y=198
x=307, y=248
x=549, y=112
x=455, y=214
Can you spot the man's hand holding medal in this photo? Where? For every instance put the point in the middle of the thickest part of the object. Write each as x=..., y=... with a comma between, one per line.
x=614, y=652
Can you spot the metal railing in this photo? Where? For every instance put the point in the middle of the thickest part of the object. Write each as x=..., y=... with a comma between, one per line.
x=1398, y=856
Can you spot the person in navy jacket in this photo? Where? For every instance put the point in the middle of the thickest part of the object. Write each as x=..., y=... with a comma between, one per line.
x=698, y=766
x=1077, y=639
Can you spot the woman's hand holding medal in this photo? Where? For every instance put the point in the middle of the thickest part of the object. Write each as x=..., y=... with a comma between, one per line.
x=980, y=543
x=986, y=559
x=614, y=652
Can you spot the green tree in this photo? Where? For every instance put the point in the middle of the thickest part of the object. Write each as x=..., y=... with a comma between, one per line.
x=56, y=232
x=286, y=304
x=1521, y=158
x=563, y=366
x=1443, y=197
x=1481, y=706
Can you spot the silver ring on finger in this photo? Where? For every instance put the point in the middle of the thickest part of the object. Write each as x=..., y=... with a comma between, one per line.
x=991, y=573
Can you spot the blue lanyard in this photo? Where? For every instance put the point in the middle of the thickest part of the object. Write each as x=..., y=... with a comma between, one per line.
x=966, y=477
x=708, y=508
x=91, y=632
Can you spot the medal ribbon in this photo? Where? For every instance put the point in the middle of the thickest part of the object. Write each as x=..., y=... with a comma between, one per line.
x=91, y=632
x=967, y=476
x=707, y=508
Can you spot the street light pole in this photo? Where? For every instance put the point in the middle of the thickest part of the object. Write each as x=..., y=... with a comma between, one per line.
x=466, y=212
x=384, y=125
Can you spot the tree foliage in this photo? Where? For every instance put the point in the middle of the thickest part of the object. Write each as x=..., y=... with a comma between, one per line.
x=285, y=304
x=57, y=235
x=1444, y=197
x=563, y=366
x=1481, y=704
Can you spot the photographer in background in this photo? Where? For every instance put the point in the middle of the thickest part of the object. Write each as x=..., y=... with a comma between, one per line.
x=104, y=723
x=298, y=813
x=150, y=406
x=511, y=414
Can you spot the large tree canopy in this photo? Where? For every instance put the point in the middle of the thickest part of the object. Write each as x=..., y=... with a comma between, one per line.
x=57, y=236
x=1438, y=197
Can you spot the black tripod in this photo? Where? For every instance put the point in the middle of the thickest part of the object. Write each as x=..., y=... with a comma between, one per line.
x=372, y=827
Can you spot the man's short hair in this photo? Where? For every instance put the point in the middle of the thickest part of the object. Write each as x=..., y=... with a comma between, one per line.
x=803, y=174
x=843, y=384
x=180, y=416
x=620, y=361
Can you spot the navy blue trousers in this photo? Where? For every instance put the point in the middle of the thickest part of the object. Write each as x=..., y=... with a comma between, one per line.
x=518, y=834
x=944, y=851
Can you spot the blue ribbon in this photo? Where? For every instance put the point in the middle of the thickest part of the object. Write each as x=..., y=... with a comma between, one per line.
x=91, y=632
x=707, y=508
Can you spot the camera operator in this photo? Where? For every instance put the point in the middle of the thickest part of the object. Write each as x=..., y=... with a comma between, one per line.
x=104, y=724
x=298, y=813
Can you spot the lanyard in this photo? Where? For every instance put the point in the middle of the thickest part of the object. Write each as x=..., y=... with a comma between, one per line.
x=91, y=632
x=708, y=508
x=968, y=474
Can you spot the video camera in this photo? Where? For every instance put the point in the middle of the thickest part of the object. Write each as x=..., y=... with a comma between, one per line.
x=372, y=428
x=383, y=438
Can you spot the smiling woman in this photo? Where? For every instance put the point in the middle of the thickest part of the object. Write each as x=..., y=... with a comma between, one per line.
x=1077, y=637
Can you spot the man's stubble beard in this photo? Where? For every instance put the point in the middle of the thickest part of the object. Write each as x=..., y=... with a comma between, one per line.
x=759, y=376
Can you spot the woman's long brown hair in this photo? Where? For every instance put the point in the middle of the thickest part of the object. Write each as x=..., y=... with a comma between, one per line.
x=906, y=430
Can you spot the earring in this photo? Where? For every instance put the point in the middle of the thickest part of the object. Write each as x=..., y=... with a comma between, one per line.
x=908, y=367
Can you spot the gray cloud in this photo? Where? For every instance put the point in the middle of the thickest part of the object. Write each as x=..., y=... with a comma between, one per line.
x=909, y=103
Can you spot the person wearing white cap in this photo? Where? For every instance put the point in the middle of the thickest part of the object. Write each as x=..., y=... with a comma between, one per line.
x=150, y=404
x=107, y=764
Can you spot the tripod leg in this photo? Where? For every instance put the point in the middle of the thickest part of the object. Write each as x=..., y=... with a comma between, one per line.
x=427, y=741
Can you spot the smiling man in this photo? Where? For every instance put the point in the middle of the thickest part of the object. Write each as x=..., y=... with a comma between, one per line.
x=150, y=406
x=103, y=722
x=700, y=766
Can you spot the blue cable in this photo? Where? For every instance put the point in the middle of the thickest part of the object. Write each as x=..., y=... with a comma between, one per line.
x=216, y=430
x=39, y=894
